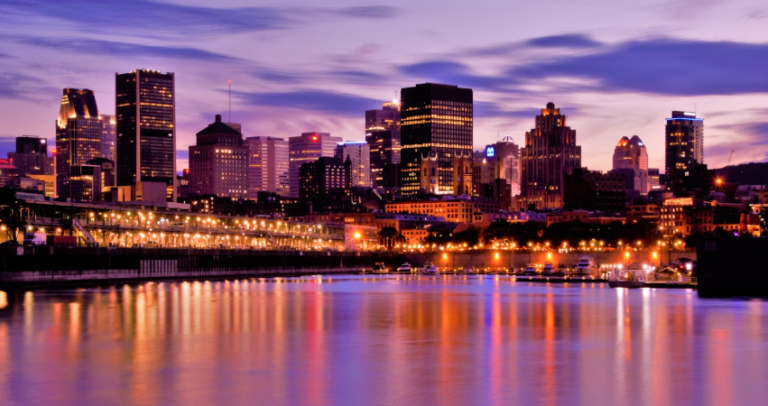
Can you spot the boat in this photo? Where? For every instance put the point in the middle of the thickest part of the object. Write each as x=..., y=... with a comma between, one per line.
x=549, y=268
x=632, y=276
x=470, y=269
x=380, y=268
x=405, y=268
x=530, y=270
x=587, y=266
x=429, y=269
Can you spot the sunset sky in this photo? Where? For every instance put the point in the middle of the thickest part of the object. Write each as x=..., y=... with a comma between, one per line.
x=614, y=68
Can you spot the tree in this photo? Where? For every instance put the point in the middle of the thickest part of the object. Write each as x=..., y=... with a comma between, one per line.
x=388, y=237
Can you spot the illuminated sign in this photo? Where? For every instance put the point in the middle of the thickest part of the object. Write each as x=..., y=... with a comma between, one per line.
x=490, y=152
x=687, y=114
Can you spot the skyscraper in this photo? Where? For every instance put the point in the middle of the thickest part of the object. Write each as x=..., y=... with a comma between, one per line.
x=108, y=136
x=218, y=163
x=359, y=154
x=146, y=128
x=550, y=152
x=684, y=144
x=436, y=120
x=307, y=147
x=324, y=177
x=630, y=158
x=382, y=133
x=267, y=166
x=31, y=156
x=78, y=135
x=503, y=160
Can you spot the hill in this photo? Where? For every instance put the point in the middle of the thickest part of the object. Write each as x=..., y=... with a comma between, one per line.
x=754, y=173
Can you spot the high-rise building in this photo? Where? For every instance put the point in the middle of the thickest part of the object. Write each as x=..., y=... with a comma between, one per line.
x=359, y=154
x=550, y=152
x=324, y=177
x=436, y=120
x=78, y=135
x=31, y=156
x=630, y=158
x=382, y=133
x=500, y=161
x=146, y=128
x=107, y=172
x=84, y=183
x=30, y=144
x=593, y=191
x=307, y=147
x=654, y=180
x=684, y=144
x=218, y=163
x=267, y=166
x=108, y=137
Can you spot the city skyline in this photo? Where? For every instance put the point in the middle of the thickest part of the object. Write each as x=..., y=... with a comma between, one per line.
x=512, y=64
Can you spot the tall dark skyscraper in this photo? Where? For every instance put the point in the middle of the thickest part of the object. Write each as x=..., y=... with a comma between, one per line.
x=382, y=133
x=684, y=144
x=31, y=145
x=78, y=135
x=550, y=152
x=146, y=128
x=435, y=120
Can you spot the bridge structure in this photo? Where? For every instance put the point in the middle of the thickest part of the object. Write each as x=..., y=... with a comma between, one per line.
x=149, y=227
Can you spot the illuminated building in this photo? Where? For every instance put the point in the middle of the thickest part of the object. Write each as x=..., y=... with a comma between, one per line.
x=654, y=181
x=107, y=172
x=435, y=120
x=359, y=153
x=108, y=137
x=382, y=133
x=9, y=174
x=84, y=183
x=307, y=147
x=456, y=210
x=31, y=156
x=146, y=129
x=684, y=216
x=323, y=177
x=499, y=161
x=684, y=144
x=267, y=166
x=78, y=135
x=630, y=158
x=462, y=173
x=218, y=163
x=550, y=152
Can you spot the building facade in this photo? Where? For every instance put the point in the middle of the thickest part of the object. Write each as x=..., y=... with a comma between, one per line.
x=307, y=147
x=145, y=106
x=630, y=157
x=78, y=135
x=267, y=166
x=594, y=191
x=359, y=153
x=550, y=152
x=218, y=163
x=684, y=147
x=324, y=177
x=456, y=210
x=436, y=120
x=31, y=156
x=382, y=133
x=108, y=137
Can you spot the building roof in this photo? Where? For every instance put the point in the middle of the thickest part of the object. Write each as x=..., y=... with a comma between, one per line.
x=219, y=128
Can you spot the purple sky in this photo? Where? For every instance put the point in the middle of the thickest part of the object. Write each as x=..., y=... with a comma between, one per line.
x=615, y=68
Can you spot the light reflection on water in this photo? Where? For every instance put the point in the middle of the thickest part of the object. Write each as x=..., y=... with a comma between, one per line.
x=380, y=341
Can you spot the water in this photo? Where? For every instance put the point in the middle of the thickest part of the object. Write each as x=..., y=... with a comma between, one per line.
x=380, y=341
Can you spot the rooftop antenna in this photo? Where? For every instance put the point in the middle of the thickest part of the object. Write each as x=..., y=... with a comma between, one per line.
x=230, y=100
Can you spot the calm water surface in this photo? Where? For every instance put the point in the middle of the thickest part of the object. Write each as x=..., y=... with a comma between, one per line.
x=380, y=341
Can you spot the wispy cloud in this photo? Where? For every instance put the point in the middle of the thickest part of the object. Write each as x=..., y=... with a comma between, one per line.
x=563, y=41
x=314, y=100
x=144, y=17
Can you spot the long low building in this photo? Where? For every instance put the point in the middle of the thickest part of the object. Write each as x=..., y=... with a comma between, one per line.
x=456, y=210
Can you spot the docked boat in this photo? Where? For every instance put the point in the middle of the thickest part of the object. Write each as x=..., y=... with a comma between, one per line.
x=429, y=269
x=530, y=270
x=587, y=266
x=549, y=268
x=632, y=276
x=405, y=268
x=380, y=268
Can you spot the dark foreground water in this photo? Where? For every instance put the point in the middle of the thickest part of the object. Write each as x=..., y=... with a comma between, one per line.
x=380, y=341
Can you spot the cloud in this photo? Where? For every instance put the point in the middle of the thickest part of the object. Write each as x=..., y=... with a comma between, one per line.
x=315, y=100
x=450, y=72
x=23, y=87
x=661, y=66
x=563, y=41
x=144, y=17
x=123, y=49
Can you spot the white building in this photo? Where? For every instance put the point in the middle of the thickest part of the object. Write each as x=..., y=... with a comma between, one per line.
x=360, y=155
